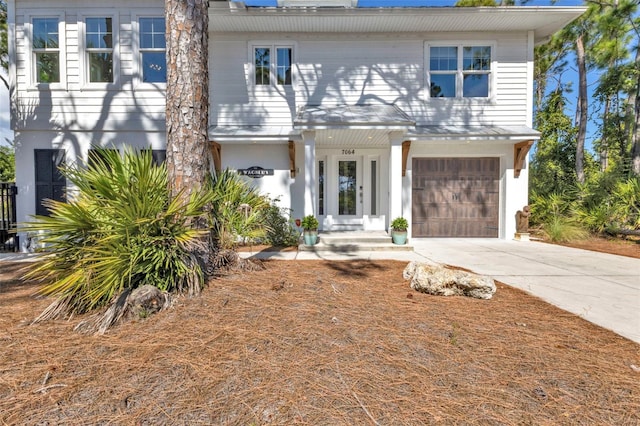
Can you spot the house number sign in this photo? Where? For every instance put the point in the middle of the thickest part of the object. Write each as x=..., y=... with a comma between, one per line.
x=348, y=152
x=255, y=172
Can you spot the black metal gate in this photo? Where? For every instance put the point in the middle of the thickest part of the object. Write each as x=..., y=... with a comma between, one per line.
x=8, y=238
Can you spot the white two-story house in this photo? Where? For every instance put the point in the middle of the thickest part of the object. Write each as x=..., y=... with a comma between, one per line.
x=355, y=114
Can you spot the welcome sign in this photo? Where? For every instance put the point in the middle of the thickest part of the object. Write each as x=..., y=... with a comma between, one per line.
x=255, y=172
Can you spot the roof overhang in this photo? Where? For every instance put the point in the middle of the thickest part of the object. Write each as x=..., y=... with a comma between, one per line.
x=253, y=134
x=472, y=133
x=352, y=117
x=543, y=21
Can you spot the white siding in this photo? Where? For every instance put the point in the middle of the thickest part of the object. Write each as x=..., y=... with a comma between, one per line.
x=363, y=69
x=78, y=108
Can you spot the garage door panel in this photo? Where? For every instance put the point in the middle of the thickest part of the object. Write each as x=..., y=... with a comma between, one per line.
x=455, y=197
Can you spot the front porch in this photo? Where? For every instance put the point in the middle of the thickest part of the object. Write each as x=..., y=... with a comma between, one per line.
x=353, y=242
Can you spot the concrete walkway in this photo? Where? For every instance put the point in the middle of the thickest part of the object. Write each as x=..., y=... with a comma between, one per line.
x=601, y=288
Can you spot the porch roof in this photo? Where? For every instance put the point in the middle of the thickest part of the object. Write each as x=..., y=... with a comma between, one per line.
x=336, y=124
x=444, y=132
x=384, y=117
x=253, y=133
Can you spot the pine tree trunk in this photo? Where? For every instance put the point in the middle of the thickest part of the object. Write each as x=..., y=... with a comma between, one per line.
x=635, y=136
x=187, y=111
x=582, y=108
x=187, y=99
x=604, y=140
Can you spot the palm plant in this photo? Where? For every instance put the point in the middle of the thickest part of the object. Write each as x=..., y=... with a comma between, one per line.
x=237, y=210
x=557, y=214
x=626, y=203
x=119, y=230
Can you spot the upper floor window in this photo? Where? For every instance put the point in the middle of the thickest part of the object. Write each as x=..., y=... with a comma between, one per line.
x=46, y=50
x=273, y=65
x=459, y=71
x=99, y=49
x=153, y=50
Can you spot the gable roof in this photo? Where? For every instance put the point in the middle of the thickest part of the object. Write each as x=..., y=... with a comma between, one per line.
x=544, y=21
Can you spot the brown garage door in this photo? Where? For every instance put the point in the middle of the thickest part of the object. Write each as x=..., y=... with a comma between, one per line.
x=455, y=197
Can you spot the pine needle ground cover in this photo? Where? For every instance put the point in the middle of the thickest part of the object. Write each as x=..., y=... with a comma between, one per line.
x=315, y=342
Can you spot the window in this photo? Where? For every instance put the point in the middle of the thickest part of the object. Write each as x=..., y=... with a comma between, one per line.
x=321, y=189
x=459, y=71
x=152, y=50
x=99, y=49
x=374, y=187
x=50, y=182
x=269, y=71
x=46, y=50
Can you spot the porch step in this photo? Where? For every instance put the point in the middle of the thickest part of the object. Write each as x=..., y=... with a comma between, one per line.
x=352, y=241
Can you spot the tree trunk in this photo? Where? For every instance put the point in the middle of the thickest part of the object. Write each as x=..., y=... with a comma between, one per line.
x=635, y=136
x=582, y=108
x=187, y=112
x=604, y=140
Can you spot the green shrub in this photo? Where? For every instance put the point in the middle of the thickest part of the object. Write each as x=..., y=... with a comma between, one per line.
x=310, y=223
x=626, y=204
x=399, y=224
x=560, y=229
x=118, y=230
x=236, y=213
x=280, y=230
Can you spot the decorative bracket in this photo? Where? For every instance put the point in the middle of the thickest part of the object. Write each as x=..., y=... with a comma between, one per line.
x=292, y=158
x=520, y=151
x=217, y=156
x=405, y=154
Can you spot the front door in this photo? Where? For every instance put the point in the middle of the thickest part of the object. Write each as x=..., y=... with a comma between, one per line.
x=349, y=189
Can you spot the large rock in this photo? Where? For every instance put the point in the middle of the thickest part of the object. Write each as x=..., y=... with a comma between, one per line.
x=440, y=280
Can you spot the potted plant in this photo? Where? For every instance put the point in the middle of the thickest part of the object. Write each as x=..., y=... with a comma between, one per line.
x=310, y=229
x=399, y=227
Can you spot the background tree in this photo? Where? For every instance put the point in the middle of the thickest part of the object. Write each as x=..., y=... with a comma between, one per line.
x=7, y=164
x=187, y=99
x=4, y=42
x=604, y=40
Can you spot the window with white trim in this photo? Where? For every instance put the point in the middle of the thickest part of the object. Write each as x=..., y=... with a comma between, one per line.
x=272, y=64
x=99, y=49
x=46, y=50
x=459, y=71
x=153, y=50
x=98, y=44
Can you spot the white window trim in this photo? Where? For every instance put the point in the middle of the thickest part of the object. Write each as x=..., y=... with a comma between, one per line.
x=459, y=72
x=273, y=45
x=30, y=63
x=138, y=84
x=82, y=52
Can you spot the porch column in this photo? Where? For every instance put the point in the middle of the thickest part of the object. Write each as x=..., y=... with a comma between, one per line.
x=309, y=140
x=395, y=178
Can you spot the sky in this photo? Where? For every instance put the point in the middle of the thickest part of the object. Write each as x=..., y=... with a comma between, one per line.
x=5, y=132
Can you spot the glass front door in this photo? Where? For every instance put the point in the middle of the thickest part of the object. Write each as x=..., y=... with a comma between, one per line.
x=349, y=189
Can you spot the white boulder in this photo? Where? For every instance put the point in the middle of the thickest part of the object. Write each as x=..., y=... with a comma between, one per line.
x=441, y=280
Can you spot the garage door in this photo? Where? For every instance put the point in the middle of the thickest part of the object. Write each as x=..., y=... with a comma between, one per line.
x=455, y=197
